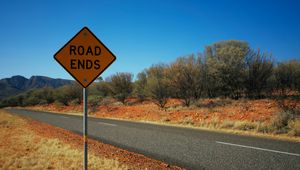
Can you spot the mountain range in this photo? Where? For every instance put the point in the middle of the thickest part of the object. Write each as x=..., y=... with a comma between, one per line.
x=19, y=84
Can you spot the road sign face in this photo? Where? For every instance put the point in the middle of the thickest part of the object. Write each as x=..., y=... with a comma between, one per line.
x=85, y=57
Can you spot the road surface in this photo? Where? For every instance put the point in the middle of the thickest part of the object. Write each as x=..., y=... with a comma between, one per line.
x=188, y=148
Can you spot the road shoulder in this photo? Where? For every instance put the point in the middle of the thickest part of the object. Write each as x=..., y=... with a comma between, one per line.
x=64, y=142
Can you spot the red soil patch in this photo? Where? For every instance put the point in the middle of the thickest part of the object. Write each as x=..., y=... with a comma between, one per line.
x=208, y=109
x=256, y=110
x=133, y=160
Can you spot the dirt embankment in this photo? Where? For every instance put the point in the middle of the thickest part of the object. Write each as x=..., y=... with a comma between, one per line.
x=250, y=110
x=264, y=116
x=27, y=144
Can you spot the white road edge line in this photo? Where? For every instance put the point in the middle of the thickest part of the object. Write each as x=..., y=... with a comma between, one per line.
x=65, y=117
x=252, y=147
x=102, y=123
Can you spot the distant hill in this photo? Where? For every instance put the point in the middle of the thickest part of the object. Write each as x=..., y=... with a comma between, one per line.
x=19, y=84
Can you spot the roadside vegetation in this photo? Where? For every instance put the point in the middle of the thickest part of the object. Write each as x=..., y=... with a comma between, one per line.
x=22, y=148
x=224, y=71
x=29, y=144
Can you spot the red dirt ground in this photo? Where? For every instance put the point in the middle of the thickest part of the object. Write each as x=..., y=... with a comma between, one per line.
x=133, y=160
x=250, y=110
x=206, y=110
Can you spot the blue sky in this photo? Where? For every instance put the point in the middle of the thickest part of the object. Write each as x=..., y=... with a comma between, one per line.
x=141, y=33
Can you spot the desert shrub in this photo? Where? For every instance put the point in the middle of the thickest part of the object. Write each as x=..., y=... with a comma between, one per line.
x=175, y=107
x=281, y=120
x=213, y=103
x=68, y=93
x=214, y=122
x=204, y=123
x=183, y=78
x=107, y=102
x=225, y=63
x=265, y=128
x=259, y=69
x=289, y=106
x=101, y=88
x=61, y=97
x=74, y=102
x=227, y=124
x=31, y=100
x=39, y=96
x=121, y=86
x=47, y=95
x=58, y=104
x=140, y=86
x=245, y=125
x=2, y=103
x=31, y=97
x=12, y=101
x=287, y=76
x=93, y=102
x=294, y=126
x=188, y=121
x=158, y=84
x=43, y=102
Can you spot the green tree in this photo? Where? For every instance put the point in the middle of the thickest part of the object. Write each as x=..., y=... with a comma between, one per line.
x=183, y=78
x=44, y=94
x=121, y=86
x=259, y=68
x=68, y=93
x=93, y=102
x=287, y=76
x=226, y=67
x=158, y=84
x=140, y=86
x=31, y=98
x=199, y=77
x=101, y=88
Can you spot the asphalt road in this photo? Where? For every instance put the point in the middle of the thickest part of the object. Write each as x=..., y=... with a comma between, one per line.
x=188, y=148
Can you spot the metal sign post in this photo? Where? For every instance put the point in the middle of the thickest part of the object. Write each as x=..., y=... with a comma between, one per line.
x=85, y=129
x=85, y=57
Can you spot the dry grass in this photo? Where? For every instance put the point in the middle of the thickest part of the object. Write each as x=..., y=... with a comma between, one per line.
x=227, y=124
x=295, y=126
x=21, y=148
x=244, y=125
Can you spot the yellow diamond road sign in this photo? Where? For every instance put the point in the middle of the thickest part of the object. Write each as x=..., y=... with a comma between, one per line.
x=85, y=57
